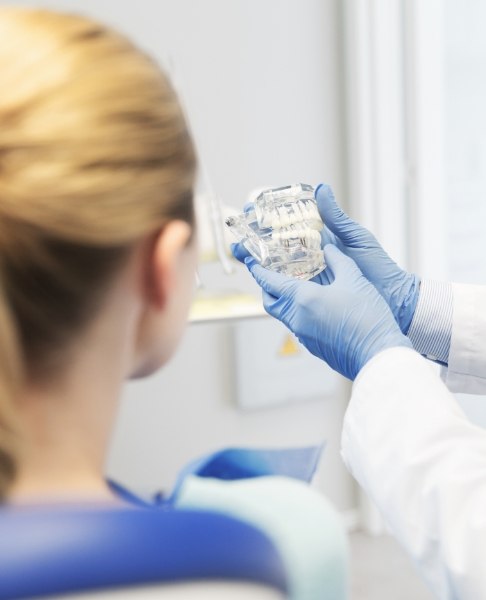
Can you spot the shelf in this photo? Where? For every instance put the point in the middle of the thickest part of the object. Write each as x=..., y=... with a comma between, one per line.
x=208, y=307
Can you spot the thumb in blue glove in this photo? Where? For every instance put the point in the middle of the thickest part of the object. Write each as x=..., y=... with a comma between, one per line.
x=345, y=323
x=399, y=288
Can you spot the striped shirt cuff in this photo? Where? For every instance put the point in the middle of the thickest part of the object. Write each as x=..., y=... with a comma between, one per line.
x=431, y=327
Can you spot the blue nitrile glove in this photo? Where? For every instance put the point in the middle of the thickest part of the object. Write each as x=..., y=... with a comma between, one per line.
x=399, y=288
x=345, y=322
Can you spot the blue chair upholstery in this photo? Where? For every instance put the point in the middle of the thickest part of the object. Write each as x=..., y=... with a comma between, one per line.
x=59, y=550
x=238, y=517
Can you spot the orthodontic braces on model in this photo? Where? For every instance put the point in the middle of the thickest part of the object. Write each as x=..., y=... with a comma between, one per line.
x=282, y=231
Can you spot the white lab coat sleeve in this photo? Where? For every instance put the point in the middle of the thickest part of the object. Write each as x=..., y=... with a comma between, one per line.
x=407, y=442
x=466, y=371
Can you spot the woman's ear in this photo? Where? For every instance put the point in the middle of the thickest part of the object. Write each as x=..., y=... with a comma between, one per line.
x=169, y=263
x=167, y=253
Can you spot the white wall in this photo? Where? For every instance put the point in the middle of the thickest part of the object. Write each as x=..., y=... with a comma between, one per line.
x=465, y=204
x=262, y=81
x=465, y=101
x=189, y=409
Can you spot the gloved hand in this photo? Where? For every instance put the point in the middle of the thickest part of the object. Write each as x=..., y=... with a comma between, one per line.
x=399, y=288
x=345, y=323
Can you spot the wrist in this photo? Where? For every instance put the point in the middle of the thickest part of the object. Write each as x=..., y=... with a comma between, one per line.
x=396, y=340
x=431, y=328
x=409, y=303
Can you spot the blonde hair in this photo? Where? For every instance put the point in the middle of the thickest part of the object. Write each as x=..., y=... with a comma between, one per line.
x=94, y=155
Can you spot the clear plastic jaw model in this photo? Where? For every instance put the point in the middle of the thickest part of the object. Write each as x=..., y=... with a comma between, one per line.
x=282, y=231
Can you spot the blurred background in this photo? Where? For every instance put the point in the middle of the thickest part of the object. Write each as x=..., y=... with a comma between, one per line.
x=384, y=100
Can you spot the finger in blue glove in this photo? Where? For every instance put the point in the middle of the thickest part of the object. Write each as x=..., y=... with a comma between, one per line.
x=345, y=323
x=399, y=288
x=239, y=251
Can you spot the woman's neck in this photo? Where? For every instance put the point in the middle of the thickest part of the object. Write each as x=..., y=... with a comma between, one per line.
x=66, y=424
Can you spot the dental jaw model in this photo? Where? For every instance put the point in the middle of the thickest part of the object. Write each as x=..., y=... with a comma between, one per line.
x=282, y=231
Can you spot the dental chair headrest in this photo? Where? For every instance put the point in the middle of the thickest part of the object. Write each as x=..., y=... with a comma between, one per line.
x=59, y=550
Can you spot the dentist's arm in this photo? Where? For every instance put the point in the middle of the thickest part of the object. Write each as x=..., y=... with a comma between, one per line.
x=345, y=322
x=445, y=322
x=405, y=438
x=422, y=309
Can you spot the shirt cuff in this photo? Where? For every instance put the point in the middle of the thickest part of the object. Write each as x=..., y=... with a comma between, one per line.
x=431, y=327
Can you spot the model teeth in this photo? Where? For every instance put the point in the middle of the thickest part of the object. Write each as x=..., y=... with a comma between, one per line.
x=304, y=213
x=310, y=238
x=298, y=212
x=297, y=224
x=285, y=219
x=283, y=231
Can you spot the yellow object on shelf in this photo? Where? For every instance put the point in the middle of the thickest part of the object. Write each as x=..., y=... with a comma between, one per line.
x=290, y=347
x=224, y=306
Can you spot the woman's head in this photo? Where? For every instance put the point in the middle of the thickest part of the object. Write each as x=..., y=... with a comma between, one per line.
x=95, y=160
